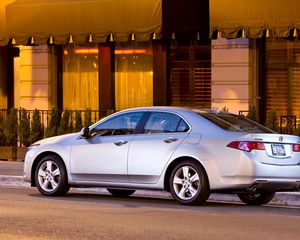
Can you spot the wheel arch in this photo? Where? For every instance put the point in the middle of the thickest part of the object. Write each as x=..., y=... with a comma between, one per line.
x=38, y=159
x=174, y=163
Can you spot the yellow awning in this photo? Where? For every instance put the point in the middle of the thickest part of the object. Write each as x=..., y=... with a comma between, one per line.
x=41, y=19
x=255, y=16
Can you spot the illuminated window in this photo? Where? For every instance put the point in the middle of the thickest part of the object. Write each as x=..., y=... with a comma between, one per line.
x=133, y=75
x=80, y=78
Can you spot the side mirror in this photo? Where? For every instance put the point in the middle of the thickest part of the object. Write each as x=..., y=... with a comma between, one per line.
x=85, y=132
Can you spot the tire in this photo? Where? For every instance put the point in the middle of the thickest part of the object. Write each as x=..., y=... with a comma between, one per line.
x=51, y=176
x=189, y=183
x=120, y=192
x=256, y=198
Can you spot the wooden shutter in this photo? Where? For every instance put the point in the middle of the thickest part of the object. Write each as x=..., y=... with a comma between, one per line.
x=283, y=76
x=190, y=78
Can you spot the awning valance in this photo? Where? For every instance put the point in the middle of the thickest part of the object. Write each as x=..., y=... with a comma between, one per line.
x=42, y=19
x=255, y=16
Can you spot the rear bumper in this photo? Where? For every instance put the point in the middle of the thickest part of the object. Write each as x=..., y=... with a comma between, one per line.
x=262, y=177
x=277, y=178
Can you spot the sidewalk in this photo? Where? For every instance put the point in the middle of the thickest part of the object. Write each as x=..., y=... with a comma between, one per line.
x=11, y=175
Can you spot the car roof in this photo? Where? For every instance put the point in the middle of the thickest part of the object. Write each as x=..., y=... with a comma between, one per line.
x=171, y=108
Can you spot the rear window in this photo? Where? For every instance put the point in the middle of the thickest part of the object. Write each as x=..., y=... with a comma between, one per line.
x=235, y=123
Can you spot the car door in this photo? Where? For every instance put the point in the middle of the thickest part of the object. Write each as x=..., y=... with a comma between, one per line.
x=150, y=151
x=103, y=156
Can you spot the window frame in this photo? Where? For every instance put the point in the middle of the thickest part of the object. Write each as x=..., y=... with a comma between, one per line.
x=135, y=130
x=181, y=119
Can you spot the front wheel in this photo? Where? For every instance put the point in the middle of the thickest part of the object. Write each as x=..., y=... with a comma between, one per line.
x=120, y=192
x=256, y=198
x=51, y=176
x=189, y=184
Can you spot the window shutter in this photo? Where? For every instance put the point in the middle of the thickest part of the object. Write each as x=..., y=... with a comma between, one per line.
x=190, y=78
x=283, y=77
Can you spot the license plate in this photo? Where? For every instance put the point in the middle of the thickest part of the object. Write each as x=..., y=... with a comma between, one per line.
x=278, y=150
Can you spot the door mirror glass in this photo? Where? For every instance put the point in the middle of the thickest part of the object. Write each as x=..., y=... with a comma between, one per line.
x=85, y=132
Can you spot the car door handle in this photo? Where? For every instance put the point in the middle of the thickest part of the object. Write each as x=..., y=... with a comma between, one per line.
x=120, y=142
x=170, y=139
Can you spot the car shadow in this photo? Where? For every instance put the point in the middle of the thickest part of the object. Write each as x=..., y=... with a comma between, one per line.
x=137, y=201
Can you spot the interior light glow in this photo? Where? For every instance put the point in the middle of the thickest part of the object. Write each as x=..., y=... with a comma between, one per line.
x=94, y=51
x=86, y=51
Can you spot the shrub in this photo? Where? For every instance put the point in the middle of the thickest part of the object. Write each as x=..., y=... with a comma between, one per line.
x=11, y=128
x=225, y=109
x=272, y=120
x=78, y=121
x=2, y=135
x=24, y=129
x=65, y=125
x=36, y=132
x=53, y=123
x=88, y=117
x=252, y=114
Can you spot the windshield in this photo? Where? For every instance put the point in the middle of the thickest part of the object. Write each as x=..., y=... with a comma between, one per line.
x=235, y=123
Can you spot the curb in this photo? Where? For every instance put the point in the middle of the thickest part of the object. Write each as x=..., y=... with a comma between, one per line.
x=287, y=199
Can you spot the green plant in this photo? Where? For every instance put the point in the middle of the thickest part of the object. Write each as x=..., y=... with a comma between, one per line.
x=53, y=123
x=297, y=131
x=88, y=117
x=65, y=125
x=225, y=109
x=36, y=132
x=11, y=128
x=78, y=121
x=2, y=135
x=24, y=129
x=272, y=120
x=252, y=114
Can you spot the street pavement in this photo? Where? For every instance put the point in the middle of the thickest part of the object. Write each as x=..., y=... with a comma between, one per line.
x=11, y=175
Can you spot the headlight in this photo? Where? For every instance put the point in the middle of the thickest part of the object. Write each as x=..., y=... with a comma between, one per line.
x=33, y=146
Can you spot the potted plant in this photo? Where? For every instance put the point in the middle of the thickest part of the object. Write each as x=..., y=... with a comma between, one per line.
x=10, y=130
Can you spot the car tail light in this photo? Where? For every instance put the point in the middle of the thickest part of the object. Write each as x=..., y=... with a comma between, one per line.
x=296, y=147
x=247, y=146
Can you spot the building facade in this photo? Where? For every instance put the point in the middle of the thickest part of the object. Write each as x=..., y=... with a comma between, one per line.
x=160, y=52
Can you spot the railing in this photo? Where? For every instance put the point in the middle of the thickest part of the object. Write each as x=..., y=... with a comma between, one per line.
x=45, y=116
x=288, y=124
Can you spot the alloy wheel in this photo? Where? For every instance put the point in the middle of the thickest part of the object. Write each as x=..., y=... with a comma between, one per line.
x=186, y=183
x=49, y=176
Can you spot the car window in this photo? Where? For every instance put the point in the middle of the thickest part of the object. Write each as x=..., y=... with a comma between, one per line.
x=235, y=123
x=160, y=122
x=123, y=124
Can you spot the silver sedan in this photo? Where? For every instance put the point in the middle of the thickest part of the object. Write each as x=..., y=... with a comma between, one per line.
x=190, y=153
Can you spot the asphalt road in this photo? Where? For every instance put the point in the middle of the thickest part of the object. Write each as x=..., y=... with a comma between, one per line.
x=25, y=214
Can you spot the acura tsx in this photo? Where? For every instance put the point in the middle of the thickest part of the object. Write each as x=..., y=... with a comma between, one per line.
x=190, y=153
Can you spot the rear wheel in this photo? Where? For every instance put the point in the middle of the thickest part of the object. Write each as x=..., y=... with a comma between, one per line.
x=256, y=198
x=51, y=176
x=189, y=184
x=120, y=192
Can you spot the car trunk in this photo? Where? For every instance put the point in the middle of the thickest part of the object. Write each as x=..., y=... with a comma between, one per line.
x=278, y=149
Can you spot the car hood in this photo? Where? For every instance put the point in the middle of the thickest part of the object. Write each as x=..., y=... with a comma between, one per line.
x=58, y=139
